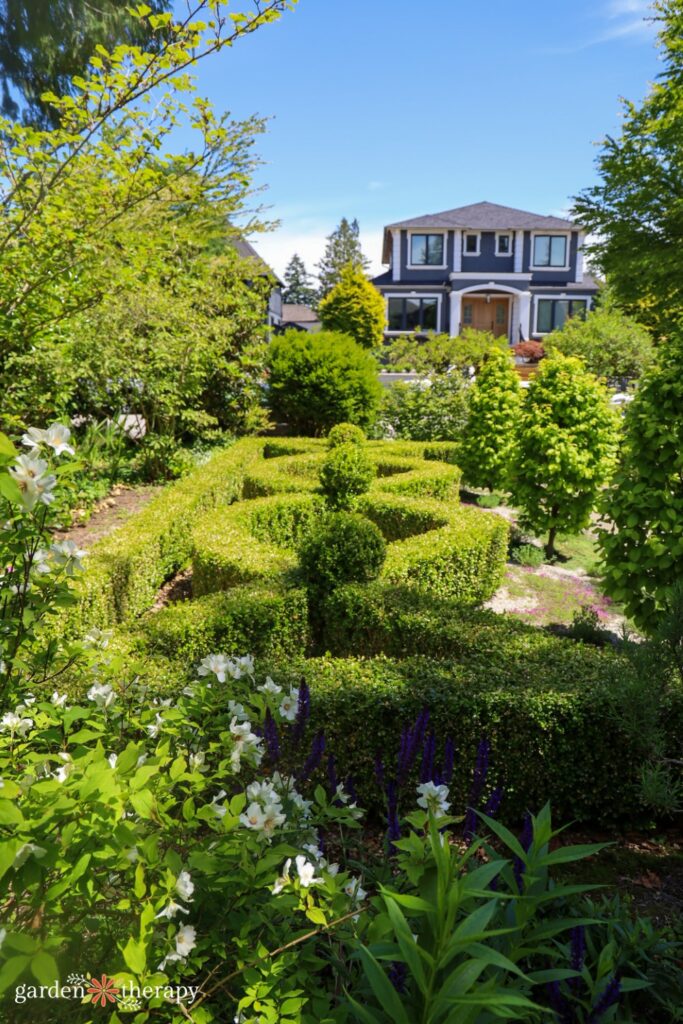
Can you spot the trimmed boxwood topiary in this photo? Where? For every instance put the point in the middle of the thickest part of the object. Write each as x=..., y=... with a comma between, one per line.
x=346, y=473
x=345, y=548
x=345, y=433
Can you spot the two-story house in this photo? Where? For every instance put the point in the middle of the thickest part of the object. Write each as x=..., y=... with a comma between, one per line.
x=484, y=266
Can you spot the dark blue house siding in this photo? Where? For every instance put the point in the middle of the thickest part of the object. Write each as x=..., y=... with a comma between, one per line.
x=487, y=261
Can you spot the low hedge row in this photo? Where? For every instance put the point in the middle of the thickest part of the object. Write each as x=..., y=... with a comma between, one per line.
x=564, y=740
x=126, y=569
x=464, y=559
x=250, y=541
x=267, y=622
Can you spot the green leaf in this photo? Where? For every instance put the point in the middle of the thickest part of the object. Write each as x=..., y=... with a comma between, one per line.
x=384, y=991
x=6, y=447
x=9, y=489
x=135, y=955
x=10, y=813
x=44, y=968
x=409, y=948
x=11, y=969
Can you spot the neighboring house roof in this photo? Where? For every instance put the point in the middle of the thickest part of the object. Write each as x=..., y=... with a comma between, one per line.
x=296, y=313
x=481, y=216
x=247, y=251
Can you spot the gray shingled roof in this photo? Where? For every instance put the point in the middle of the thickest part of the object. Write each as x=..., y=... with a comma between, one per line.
x=483, y=217
x=295, y=312
x=247, y=251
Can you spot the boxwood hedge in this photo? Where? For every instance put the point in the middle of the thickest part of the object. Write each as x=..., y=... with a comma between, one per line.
x=556, y=733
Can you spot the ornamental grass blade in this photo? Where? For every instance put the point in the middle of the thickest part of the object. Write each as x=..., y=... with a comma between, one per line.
x=384, y=991
x=364, y=1013
x=412, y=953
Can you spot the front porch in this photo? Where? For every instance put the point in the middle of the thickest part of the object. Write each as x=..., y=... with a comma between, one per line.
x=500, y=309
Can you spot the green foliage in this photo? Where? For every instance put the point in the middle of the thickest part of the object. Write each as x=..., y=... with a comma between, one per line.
x=354, y=307
x=298, y=287
x=345, y=548
x=488, y=438
x=345, y=433
x=172, y=809
x=633, y=211
x=346, y=472
x=463, y=557
x=343, y=248
x=557, y=712
x=564, y=449
x=250, y=542
x=611, y=344
x=43, y=46
x=318, y=380
x=105, y=232
x=440, y=353
x=643, y=550
x=432, y=409
x=272, y=623
x=483, y=934
x=527, y=554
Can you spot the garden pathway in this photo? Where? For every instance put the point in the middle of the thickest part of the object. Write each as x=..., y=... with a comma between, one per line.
x=108, y=514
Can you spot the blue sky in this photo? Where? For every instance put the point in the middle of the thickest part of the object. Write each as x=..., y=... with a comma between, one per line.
x=386, y=109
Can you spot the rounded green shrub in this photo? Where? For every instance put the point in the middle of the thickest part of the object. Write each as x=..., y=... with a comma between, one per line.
x=318, y=380
x=345, y=433
x=346, y=548
x=527, y=554
x=346, y=473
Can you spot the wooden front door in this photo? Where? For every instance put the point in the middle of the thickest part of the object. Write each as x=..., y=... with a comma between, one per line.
x=486, y=316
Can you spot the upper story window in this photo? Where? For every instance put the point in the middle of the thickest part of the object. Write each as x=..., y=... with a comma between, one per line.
x=412, y=313
x=470, y=244
x=503, y=245
x=427, y=251
x=550, y=251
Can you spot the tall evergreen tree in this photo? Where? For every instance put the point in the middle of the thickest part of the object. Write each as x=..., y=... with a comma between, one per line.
x=43, y=45
x=343, y=248
x=298, y=287
x=488, y=439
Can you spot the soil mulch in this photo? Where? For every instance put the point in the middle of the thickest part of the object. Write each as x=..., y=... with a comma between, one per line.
x=179, y=588
x=108, y=514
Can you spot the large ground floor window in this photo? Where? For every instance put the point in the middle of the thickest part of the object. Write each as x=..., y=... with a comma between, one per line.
x=414, y=313
x=552, y=313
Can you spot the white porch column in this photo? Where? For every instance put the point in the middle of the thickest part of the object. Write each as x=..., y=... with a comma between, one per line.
x=456, y=303
x=519, y=251
x=396, y=255
x=514, y=321
x=579, y=258
x=457, y=251
x=525, y=314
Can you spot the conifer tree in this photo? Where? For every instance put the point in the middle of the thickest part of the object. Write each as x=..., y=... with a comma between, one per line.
x=488, y=438
x=354, y=307
x=343, y=247
x=298, y=287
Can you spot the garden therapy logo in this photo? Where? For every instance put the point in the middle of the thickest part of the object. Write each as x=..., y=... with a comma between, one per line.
x=103, y=991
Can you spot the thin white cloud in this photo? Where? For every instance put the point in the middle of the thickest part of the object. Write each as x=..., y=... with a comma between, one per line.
x=622, y=20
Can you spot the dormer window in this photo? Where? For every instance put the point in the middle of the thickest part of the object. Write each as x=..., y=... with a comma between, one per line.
x=550, y=251
x=427, y=250
x=471, y=243
x=503, y=244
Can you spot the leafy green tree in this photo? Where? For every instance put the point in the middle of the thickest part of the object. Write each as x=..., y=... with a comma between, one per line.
x=634, y=210
x=494, y=409
x=564, y=451
x=433, y=409
x=298, y=287
x=354, y=307
x=611, y=344
x=343, y=247
x=318, y=380
x=439, y=353
x=642, y=539
x=43, y=46
x=76, y=199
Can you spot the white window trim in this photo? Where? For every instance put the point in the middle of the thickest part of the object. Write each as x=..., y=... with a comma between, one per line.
x=508, y=234
x=551, y=234
x=464, y=243
x=553, y=298
x=412, y=295
x=427, y=266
